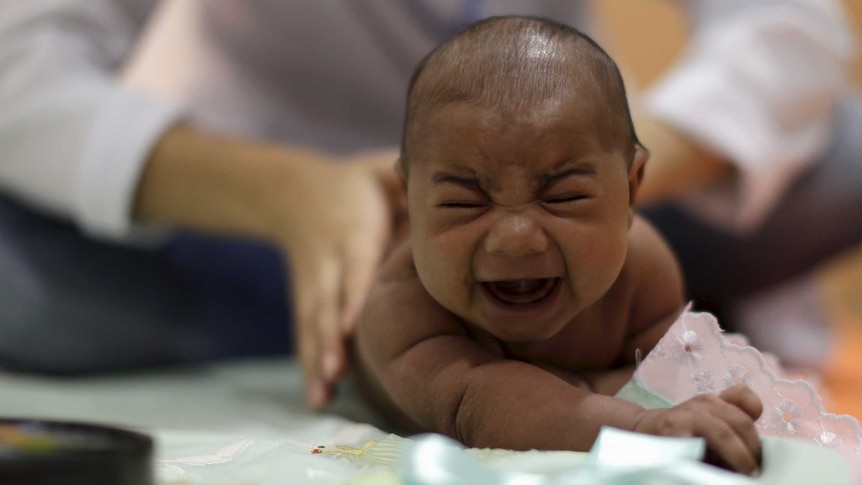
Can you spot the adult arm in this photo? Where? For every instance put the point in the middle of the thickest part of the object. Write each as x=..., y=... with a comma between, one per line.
x=753, y=96
x=77, y=144
x=73, y=140
x=333, y=220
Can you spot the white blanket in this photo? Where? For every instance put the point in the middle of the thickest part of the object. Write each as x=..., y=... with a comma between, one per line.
x=233, y=423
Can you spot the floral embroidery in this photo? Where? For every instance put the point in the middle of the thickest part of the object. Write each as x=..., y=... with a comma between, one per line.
x=659, y=351
x=829, y=439
x=703, y=382
x=737, y=375
x=697, y=355
x=689, y=348
x=786, y=414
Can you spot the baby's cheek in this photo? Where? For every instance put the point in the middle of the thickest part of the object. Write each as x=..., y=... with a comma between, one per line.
x=437, y=273
x=598, y=266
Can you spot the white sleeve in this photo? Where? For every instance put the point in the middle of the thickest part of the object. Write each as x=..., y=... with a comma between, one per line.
x=73, y=140
x=759, y=84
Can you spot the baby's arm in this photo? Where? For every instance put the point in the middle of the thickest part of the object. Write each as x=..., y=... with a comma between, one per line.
x=726, y=421
x=418, y=360
x=420, y=363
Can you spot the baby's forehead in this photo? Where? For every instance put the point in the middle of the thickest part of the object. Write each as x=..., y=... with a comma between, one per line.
x=573, y=89
x=576, y=115
x=514, y=83
x=516, y=66
x=570, y=104
x=482, y=143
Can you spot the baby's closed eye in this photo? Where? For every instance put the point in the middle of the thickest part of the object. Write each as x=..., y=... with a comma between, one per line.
x=564, y=198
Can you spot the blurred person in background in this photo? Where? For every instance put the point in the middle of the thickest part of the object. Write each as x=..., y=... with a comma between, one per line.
x=165, y=167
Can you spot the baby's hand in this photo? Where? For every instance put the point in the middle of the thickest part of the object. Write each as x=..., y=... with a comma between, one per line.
x=726, y=421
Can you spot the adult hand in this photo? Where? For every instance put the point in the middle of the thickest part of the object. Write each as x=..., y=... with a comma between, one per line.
x=381, y=164
x=333, y=220
x=726, y=421
x=335, y=247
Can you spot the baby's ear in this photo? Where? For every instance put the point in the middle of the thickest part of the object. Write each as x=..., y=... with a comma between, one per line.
x=636, y=171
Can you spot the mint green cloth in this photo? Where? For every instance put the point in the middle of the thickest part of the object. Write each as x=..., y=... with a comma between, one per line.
x=635, y=393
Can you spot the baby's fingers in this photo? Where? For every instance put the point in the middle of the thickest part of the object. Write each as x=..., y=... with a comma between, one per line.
x=746, y=408
x=729, y=439
x=745, y=399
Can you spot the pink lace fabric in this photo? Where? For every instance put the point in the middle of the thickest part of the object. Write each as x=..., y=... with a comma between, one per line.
x=696, y=357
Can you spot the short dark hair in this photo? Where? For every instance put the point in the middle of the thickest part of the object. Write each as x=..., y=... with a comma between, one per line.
x=493, y=62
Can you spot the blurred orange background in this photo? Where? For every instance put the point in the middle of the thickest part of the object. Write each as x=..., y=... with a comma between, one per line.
x=646, y=37
x=648, y=34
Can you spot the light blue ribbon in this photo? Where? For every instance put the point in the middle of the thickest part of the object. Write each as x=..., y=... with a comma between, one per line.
x=624, y=458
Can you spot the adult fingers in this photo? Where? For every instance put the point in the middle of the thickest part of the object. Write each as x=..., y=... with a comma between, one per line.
x=328, y=322
x=362, y=251
x=305, y=304
x=316, y=297
x=377, y=161
x=361, y=260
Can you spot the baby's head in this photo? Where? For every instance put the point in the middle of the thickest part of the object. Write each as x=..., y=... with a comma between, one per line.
x=521, y=165
x=515, y=63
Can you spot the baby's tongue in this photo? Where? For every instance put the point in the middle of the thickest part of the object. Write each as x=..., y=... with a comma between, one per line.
x=519, y=291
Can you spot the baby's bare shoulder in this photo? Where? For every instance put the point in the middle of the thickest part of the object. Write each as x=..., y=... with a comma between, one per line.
x=398, y=266
x=655, y=283
x=399, y=312
x=649, y=255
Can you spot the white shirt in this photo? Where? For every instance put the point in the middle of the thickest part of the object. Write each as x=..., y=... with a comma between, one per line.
x=759, y=84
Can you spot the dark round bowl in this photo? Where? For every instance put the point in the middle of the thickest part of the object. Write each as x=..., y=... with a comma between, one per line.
x=44, y=452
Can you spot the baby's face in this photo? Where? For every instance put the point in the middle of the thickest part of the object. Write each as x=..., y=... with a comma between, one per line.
x=519, y=220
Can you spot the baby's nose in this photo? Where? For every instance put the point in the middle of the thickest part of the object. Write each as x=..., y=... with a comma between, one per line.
x=516, y=234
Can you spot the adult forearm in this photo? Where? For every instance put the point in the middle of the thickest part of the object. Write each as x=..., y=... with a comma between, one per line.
x=332, y=221
x=676, y=165
x=219, y=184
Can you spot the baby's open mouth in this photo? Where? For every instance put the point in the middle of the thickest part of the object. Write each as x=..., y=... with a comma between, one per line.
x=520, y=292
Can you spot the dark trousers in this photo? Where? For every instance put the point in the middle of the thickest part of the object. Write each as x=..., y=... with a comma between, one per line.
x=819, y=217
